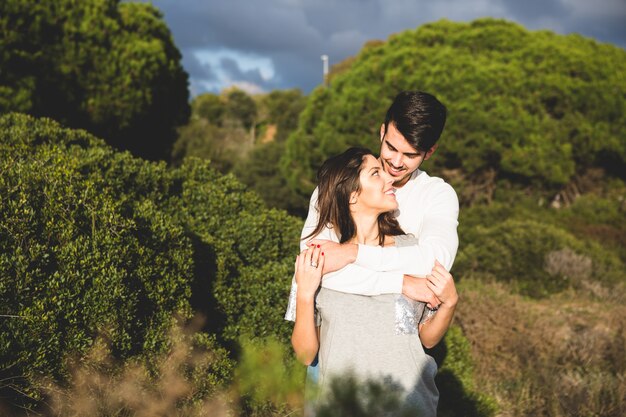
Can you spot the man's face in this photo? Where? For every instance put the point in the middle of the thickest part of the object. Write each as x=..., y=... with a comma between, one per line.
x=400, y=159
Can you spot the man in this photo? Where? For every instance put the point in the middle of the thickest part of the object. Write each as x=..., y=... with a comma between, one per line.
x=428, y=209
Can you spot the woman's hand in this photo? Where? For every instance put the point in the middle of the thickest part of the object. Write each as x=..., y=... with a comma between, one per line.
x=441, y=283
x=337, y=255
x=309, y=266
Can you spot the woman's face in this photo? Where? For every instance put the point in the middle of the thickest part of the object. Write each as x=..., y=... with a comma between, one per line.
x=377, y=193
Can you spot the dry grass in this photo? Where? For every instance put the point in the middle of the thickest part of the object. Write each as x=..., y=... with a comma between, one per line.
x=179, y=383
x=101, y=387
x=561, y=356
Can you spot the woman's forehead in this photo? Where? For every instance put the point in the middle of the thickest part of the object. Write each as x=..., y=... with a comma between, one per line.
x=370, y=161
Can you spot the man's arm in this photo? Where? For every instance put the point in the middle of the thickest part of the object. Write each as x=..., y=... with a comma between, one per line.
x=354, y=279
x=437, y=240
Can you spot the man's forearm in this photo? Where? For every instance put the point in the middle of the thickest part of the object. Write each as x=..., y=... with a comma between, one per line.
x=354, y=279
x=415, y=259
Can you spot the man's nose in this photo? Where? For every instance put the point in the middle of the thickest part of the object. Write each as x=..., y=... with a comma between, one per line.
x=397, y=160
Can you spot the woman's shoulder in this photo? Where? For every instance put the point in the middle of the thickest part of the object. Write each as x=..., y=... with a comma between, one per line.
x=405, y=240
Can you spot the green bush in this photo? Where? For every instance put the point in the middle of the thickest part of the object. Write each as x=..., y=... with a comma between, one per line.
x=80, y=255
x=252, y=250
x=96, y=241
x=537, y=258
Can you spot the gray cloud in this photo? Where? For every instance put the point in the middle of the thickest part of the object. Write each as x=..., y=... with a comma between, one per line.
x=529, y=10
x=294, y=33
x=252, y=77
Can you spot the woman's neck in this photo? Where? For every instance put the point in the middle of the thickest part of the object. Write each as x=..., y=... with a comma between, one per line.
x=367, y=231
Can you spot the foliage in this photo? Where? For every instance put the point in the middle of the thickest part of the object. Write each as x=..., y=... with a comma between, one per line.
x=82, y=252
x=283, y=107
x=98, y=241
x=459, y=392
x=268, y=380
x=219, y=129
x=542, y=250
x=260, y=172
x=534, y=108
x=245, y=135
x=102, y=65
x=250, y=250
x=557, y=356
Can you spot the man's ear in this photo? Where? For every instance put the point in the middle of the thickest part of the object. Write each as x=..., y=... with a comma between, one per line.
x=382, y=132
x=431, y=151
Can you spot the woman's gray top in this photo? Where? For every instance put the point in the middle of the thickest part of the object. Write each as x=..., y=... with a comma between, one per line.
x=377, y=337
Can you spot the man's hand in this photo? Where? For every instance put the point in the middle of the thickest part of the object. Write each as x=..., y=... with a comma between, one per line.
x=336, y=255
x=442, y=285
x=417, y=289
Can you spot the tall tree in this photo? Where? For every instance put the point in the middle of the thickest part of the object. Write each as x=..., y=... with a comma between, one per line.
x=105, y=66
x=530, y=109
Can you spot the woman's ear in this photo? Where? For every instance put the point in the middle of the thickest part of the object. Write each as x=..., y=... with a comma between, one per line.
x=354, y=197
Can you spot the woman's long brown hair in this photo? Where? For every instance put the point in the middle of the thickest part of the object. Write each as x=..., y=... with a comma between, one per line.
x=337, y=179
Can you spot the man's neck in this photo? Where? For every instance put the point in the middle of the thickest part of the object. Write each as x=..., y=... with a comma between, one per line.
x=402, y=182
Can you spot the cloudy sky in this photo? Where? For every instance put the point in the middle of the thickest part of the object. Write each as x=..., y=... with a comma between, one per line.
x=260, y=45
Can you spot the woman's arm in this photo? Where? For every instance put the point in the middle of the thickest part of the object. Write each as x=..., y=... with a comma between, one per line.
x=305, y=336
x=442, y=285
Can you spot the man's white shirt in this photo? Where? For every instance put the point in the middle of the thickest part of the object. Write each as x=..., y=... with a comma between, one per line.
x=428, y=208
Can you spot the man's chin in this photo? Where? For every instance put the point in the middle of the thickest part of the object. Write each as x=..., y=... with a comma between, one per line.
x=400, y=180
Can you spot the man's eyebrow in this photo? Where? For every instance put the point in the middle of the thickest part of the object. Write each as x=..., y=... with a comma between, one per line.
x=404, y=153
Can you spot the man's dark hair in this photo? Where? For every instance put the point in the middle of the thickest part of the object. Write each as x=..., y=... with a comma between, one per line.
x=419, y=117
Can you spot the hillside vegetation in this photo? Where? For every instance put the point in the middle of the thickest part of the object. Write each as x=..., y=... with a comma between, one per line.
x=104, y=256
x=535, y=148
x=527, y=110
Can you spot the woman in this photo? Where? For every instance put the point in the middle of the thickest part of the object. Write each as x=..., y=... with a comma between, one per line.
x=369, y=336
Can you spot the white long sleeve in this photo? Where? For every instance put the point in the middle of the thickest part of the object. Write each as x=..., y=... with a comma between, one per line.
x=428, y=209
x=429, y=212
x=353, y=279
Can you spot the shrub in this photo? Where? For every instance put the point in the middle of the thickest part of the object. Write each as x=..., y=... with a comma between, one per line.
x=80, y=255
x=524, y=252
x=98, y=241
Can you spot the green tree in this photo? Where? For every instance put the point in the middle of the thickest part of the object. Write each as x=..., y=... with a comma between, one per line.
x=241, y=107
x=102, y=65
x=528, y=108
x=221, y=129
x=283, y=108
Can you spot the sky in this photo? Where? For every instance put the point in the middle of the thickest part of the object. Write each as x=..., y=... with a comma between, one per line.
x=262, y=45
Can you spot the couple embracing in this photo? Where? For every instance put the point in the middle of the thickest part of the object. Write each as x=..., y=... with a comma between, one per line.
x=371, y=286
